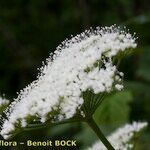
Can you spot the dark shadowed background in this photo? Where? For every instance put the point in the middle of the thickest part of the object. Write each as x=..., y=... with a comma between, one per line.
x=30, y=30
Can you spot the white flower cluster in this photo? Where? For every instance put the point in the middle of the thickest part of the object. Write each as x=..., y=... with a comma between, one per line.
x=121, y=138
x=82, y=63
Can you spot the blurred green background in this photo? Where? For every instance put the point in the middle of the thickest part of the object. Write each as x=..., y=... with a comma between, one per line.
x=30, y=30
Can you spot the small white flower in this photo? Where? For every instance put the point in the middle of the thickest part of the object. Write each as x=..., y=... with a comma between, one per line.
x=119, y=87
x=3, y=101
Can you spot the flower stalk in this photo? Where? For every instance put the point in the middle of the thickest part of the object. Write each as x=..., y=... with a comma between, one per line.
x=99, y=133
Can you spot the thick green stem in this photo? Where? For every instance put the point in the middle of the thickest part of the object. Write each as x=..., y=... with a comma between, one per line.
x=99, y=133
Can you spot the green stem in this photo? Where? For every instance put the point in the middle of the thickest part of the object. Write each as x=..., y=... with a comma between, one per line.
x=48, y=124
x=99, y=133
x=31, y=127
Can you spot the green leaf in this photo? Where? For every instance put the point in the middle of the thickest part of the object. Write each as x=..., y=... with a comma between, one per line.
x=144, y=64
x=139, y=89
x=114, y=109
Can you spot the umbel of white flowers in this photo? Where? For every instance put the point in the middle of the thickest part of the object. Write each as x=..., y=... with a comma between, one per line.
x=121, y=139
x=77, y=65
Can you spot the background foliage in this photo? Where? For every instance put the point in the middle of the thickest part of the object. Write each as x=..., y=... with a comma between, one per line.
x=30, y=30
